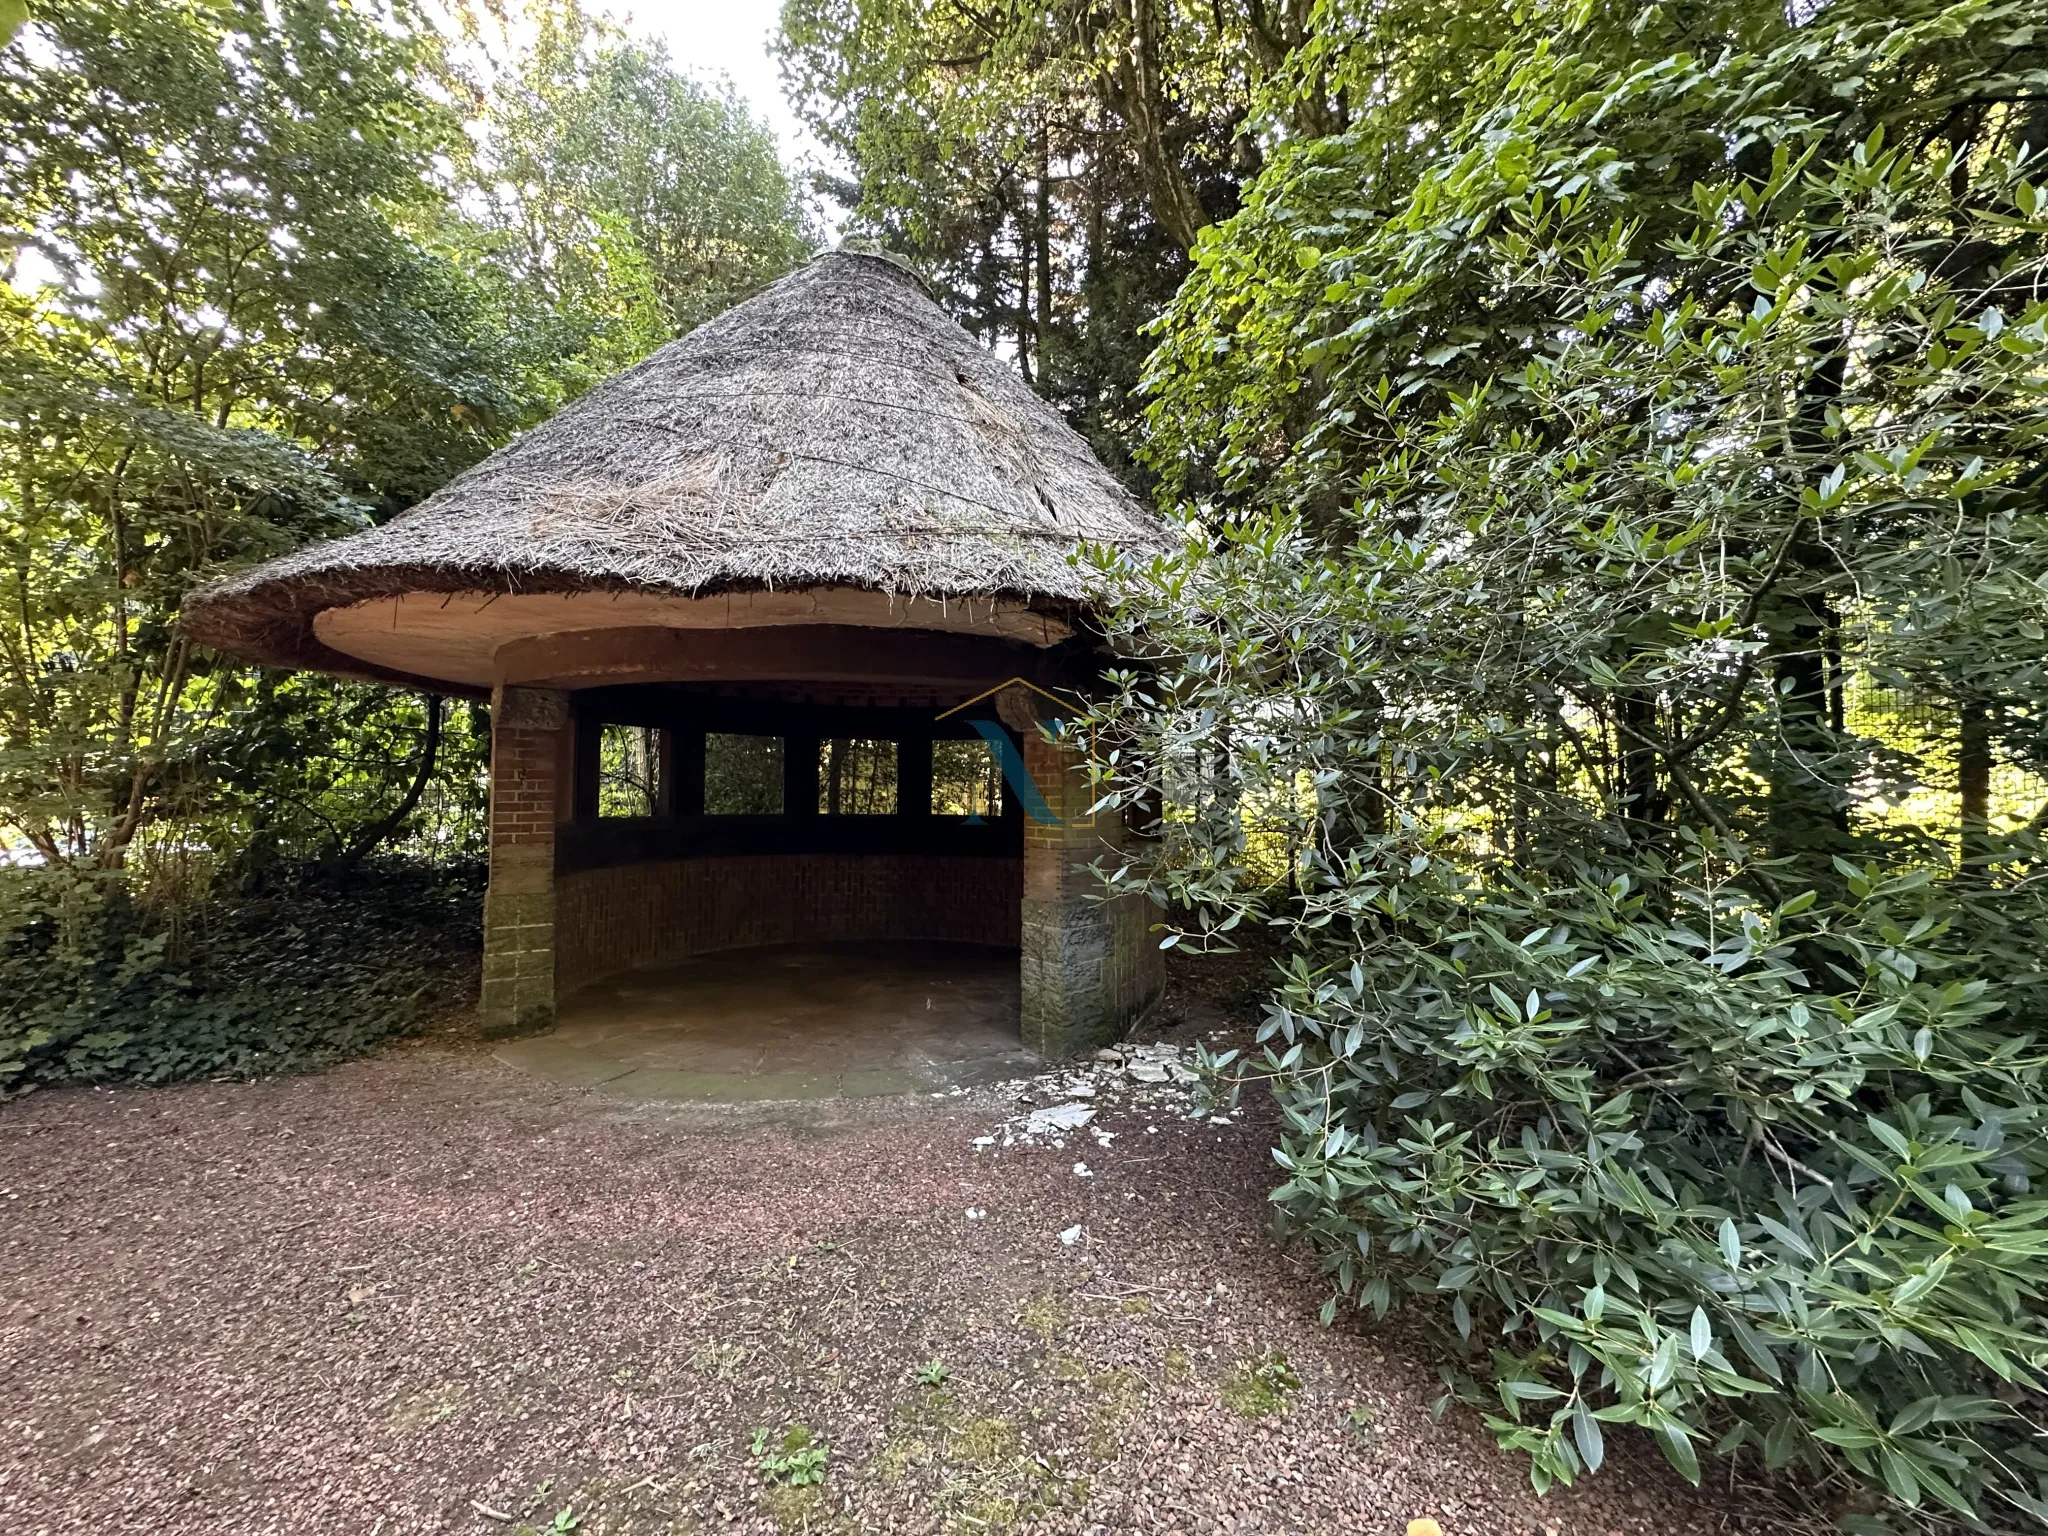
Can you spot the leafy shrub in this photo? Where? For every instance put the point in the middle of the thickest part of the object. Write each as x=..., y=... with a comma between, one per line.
x=1763, y=1176
x=100, y=989
x=1661, y=1015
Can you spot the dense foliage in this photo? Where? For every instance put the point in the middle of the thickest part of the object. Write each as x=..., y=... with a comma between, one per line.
x=309, y=971
x=1047, y=164
x=245, y=348
x=265, y=285
x=626, y=202
x=1616, y=666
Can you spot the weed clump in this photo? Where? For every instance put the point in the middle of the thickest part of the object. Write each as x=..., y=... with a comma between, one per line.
x=795, y=1458
x=1260, y=1387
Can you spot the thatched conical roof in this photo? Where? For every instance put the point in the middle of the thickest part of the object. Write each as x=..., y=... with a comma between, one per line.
x=837, y=432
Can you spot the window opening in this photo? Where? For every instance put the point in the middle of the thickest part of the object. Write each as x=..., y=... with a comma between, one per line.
x=742, y=775
x=628, y=771
x=856, y=778
x=966, y=780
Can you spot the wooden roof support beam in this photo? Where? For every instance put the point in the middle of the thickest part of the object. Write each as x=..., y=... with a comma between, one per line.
x=824, y=653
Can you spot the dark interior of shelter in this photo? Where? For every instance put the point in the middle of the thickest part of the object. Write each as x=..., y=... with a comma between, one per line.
x=709, y=817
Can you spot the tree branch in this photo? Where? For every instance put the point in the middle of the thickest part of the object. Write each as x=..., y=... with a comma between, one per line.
x=384, y=827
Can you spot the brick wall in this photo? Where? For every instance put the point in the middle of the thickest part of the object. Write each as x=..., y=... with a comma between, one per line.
x=1088, y=967
x=606, y=920
x=529, y=734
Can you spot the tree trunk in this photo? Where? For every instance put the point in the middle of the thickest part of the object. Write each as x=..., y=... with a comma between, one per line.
x=1138, y=95
x=134, y=811
x=1026, y=344
x=1973, y=782
x=1641, y=785
x=1809, y=810
x=383, y=828
x=1043, y=240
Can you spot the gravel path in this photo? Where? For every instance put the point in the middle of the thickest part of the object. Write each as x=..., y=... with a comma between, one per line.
x=425, y=1293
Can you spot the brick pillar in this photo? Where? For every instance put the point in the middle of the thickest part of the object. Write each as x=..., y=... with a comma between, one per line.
x=1089, y=967
x=530, y=747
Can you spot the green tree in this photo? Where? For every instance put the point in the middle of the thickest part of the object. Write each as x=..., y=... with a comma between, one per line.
x=1047, y=165
x=266, y=289
x=628, y=199
x=251, y=342
x=1604, y=474
x=1050, y=165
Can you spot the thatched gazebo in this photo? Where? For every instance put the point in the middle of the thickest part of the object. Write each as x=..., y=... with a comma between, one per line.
x=725, y=608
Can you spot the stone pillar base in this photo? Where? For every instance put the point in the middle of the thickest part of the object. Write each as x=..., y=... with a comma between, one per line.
x=1090, y=973
x=519, y=963
x=1089, y=968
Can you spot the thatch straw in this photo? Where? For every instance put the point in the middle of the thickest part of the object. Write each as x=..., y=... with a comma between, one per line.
x=838, y=429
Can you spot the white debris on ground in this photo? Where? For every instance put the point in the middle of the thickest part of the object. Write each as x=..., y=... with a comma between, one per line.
x=1159, y=1078
x=1058, y=1117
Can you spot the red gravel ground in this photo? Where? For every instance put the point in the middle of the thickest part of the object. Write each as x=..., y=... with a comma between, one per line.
x=425, y=1293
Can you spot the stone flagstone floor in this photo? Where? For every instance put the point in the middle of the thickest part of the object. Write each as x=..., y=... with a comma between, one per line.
x=791, y=1022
